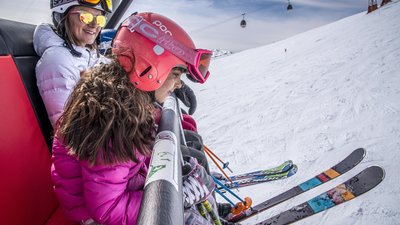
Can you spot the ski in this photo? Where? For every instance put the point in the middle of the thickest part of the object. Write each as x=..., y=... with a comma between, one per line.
x=342, y=167
x=275, y=170
x=352, y=188
x=260, y=178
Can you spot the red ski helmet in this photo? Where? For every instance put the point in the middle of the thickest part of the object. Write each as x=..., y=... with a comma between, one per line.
x=147, y=63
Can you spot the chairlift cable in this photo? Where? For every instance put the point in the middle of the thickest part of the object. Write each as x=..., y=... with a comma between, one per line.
x=232, y=18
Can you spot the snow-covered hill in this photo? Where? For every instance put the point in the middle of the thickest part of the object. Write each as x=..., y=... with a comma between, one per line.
x=219, y=53
x=312, y=98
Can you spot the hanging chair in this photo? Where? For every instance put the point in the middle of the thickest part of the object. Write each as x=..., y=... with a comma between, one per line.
x=289, y=7
x=243, y=23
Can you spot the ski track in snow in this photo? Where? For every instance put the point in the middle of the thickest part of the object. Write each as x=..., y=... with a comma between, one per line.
x=336, y=88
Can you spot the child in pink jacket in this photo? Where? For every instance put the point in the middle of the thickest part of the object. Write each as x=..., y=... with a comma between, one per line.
x=101, y=148
x=98, y=172
x=104, y=137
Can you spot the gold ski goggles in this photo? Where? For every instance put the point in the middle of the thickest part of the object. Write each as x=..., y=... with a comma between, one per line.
x=87, y=18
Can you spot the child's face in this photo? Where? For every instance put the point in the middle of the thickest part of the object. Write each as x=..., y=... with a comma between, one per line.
x=171, y=83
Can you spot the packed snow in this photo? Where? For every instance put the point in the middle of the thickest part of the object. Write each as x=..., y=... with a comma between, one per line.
x=312, y=98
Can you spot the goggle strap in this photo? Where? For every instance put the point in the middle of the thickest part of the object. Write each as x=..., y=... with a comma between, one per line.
x=162, y=39
x=104, y=4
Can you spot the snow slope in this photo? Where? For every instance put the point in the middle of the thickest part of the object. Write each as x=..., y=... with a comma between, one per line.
x=336, y=88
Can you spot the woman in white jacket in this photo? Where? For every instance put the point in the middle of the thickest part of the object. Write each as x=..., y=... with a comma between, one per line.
x=67, y=49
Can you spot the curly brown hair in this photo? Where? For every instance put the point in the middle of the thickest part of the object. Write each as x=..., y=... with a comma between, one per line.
x=106, y=117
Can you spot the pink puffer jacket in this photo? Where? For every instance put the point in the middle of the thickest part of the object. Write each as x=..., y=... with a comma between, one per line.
x=108, y=194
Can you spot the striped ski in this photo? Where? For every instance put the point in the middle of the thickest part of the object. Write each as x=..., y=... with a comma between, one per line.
x=275, y=170
x=342, y=167
x=352, y=188
x=257, y=179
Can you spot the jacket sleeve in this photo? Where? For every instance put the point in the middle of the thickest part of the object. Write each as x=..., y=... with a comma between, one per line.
x=188, y=123
x=56, y=77
x=66, y=175
x=106, y=196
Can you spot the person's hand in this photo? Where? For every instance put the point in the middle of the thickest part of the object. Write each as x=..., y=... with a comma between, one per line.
x=197, y=184
x=186, y=95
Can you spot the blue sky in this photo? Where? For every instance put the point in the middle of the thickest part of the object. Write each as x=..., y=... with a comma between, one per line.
x=215, y=24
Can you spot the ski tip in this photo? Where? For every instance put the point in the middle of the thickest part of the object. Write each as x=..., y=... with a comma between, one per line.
x=366, y=180
x=293, y=170
x=360, y=151
x=287, y=167
x=376, y=171
x=288, y=162
x=356, y=156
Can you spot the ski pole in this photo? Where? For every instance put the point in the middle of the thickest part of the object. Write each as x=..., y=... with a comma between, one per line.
x=240, y=206
x=227, y=189
x=226, y=198
x=223, y=172
x=202, y=210
x=210, y=210
x=225, y=164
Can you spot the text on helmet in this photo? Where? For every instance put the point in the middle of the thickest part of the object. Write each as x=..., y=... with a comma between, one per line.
x=151, y=32
x=162, y=27
x=59, y=2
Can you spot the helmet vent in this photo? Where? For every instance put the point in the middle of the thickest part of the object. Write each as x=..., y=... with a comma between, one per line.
x=145, y=71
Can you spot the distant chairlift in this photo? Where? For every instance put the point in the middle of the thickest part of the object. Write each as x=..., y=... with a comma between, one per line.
x=289, y=7
x=243, y=22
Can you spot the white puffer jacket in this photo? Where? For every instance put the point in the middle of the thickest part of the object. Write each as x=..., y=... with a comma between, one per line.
x=58, y=71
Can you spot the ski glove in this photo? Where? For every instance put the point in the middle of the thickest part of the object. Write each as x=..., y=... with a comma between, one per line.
x=186, y=95
x=197, y=184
